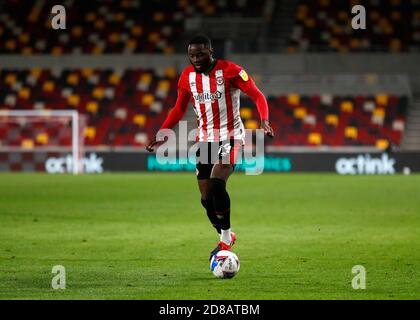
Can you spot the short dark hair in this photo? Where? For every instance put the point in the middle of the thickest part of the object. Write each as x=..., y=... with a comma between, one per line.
x=201, y=39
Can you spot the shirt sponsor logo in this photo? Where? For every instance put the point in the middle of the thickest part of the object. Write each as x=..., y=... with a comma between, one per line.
x=207, y=96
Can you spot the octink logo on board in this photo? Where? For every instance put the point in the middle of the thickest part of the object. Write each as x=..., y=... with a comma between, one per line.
x=364, y=164
x=91, y=164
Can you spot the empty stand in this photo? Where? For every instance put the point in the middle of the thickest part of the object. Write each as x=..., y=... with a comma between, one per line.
x=325, y=25
x=126, y=107
x=100, y=27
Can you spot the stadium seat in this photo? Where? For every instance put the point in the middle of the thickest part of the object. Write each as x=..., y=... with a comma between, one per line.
x=315, y=138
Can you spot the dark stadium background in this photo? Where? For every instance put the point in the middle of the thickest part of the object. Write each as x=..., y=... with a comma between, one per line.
x=340, y=182
x=331, y=89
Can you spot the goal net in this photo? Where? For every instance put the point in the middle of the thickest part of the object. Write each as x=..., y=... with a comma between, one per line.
x=29, y=139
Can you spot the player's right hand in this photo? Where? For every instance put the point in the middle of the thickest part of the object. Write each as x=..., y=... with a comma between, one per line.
x=151, y=145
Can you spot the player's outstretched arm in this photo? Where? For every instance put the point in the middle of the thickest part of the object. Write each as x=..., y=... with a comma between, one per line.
x=251, y=90
x=174, y=116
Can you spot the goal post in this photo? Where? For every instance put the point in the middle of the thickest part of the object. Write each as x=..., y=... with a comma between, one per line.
x=23, y=118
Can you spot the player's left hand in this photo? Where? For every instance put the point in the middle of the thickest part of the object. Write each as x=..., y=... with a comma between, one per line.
x=151, y=145
x=268, y=131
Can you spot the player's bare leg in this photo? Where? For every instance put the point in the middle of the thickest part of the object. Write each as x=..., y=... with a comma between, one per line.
x=207, y=202
x=222, y=171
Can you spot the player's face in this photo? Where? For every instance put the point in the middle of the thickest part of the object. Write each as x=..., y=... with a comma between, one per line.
x=200, y=57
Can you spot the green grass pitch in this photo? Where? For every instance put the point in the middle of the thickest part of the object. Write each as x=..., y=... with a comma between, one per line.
x=146, y=236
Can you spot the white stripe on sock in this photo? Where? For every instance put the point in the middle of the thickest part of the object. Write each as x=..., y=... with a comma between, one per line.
x=225, y=236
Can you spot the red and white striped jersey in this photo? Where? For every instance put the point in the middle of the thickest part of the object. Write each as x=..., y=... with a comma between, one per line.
x=215, y=99
x=215, y=96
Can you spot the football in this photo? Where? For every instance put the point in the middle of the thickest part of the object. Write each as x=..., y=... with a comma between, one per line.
x=225, y=264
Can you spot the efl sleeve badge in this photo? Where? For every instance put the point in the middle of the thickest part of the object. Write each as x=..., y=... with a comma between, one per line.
x=244, y=75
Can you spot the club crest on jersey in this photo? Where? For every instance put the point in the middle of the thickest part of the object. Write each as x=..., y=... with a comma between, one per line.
x=207, y=96
x=244, y=75
x=220, y=81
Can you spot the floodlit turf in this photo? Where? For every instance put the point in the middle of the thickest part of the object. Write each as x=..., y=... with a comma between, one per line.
x=146, y=236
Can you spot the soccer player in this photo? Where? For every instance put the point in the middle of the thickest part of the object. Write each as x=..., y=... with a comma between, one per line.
x=214, y=87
